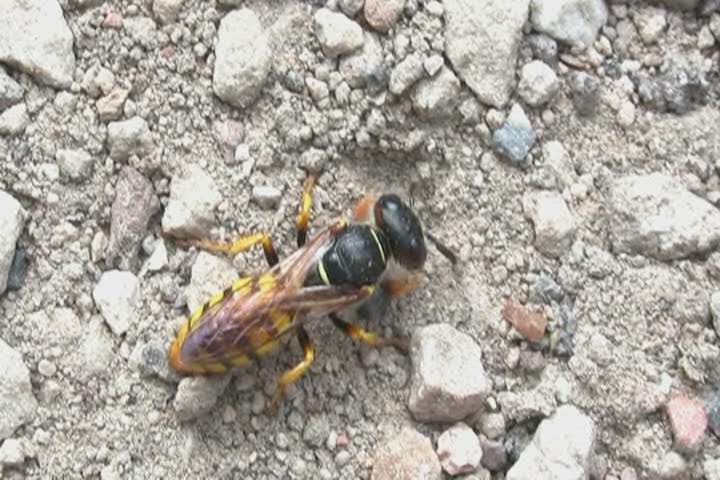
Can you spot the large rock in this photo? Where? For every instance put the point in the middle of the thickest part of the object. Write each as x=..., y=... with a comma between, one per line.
x=481, y=40
x=243, y=58
x=12, y=219
x=17, y=402
x=34, y=38
x=449, y=380
x=561, y=448
x=655, y=216
x=193, y=198
x=135, y=202
x=407, y=456
x=575, y=22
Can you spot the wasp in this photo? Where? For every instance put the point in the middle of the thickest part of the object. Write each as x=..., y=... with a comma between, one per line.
x=376, y=254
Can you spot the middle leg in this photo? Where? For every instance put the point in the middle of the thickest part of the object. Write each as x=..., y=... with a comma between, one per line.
x=303, y=217
x=239, y=245
x=294, y=374
x=373, y=339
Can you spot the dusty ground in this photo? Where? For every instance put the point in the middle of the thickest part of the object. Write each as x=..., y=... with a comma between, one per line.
x=643, y=331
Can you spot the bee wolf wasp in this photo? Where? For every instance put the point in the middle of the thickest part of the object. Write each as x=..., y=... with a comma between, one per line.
x=378, y=252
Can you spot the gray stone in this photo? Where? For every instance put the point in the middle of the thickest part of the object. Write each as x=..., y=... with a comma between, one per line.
x=351, y=7
x=382, y=15
x=142, y=30
x=193, y=198
x=681, y=4
x=74, y=164
x=95, y=354
x=482, y=38
x=515, y=138
x=35, y=39
x=494, y=456
x=650, y=22
x=575, y=22
x=12, y=219
x=459, y=450
x=715, y=311
x=17, y=402
x=209, y=275
x=166, y=11
x=585, y=91
x=655, y=216
x=365, y=67
x=135, y=203
x=682, y=86
x=14, y=120
x=129, y=137
x=436, y=97
x=561, y=448
x=448, y=381
x=433, y=64
x=406, y=73
x=538, y=83
x=409, y=455
x=18, y=269
x=554, y=223
x=544, y=48
x=10, y=91
x=243, y=58
x=197, y=396
x=337, y=34
x=316, y=431
x=266, y=196
x=117, y=296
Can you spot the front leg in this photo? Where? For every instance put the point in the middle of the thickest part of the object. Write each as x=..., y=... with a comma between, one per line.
x=369, y=338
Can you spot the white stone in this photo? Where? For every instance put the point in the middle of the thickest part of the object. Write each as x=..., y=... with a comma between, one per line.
x=193, y=198
x=209, y=275
x=437, y=96
x=36, y=39
x=538, y=83
x=459, y=450
x=116, y=296
x=243, y=58
x=267, y=197
x=406, y=73
x=575, y=22
x=11, y=92
x=12, y=219
x=12, y=453
x=448, y=381
x=337, y=34
x=198, y=395
x=554, y=223
x=74, y=164
x=656, y=216
x=482, y=38
x=129, y=137
x=17, y=402
x=650, y=22
x=14, y=120
x=561, y=448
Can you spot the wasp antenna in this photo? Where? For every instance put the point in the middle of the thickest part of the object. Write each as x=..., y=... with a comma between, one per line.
x=442, y=248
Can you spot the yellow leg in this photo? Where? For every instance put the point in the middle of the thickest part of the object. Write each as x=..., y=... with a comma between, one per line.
x=303, y=217
x=399, y=286
x=239, y=245
x=294, y=374
x=373, y=339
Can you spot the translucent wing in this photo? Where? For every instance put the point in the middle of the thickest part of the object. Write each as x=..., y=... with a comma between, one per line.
x=247, y=319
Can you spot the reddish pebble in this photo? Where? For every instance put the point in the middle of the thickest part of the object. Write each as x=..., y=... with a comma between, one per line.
x=688, y=421
x=167, y=52
x=113, y=20
x=530, y=324
x=229, y=132
x=342, y=440
x=383, y=14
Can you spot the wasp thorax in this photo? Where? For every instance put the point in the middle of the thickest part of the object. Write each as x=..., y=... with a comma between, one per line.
x=402, y=230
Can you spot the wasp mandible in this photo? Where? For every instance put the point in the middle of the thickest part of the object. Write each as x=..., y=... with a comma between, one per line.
x=380, y=250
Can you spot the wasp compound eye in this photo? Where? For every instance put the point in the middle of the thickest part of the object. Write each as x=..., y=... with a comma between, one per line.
x=403, y=231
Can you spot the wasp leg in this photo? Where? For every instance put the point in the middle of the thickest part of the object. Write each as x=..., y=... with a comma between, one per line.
x=374, y=340
x=294, y=374
x=399, y=286
x=239, y=245
x=303, y=217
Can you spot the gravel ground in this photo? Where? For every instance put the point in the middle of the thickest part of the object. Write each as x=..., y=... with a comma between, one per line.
x=567, y=150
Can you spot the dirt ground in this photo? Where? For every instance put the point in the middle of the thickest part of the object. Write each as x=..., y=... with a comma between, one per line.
x=633, y=322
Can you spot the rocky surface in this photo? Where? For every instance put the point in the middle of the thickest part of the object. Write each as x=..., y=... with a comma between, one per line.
x=566, y=151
